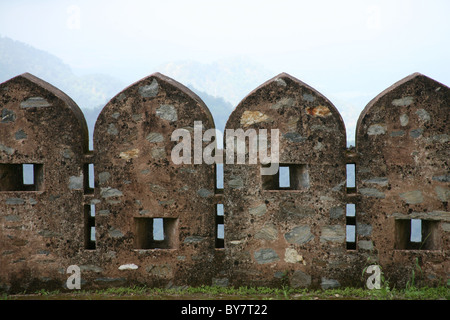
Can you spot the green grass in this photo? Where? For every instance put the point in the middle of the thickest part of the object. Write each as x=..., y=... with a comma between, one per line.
x=242, y=293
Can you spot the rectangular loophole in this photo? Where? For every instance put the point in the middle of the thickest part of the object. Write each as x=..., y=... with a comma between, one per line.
x=158, y=229
x=89, y=227
x=219, y=177
x=416, y=234
x=288, y=177
x=155, y=233
x=88, y=176
x=21, y=177
x=416, y=231
x=28, y=174
x=220, y=227
x=351, y=237
x=283, y=177
x=351, y=177
x=350, y=217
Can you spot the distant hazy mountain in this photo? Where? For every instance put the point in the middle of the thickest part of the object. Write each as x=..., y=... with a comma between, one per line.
x=89, y=91
x=221, y=84
x=219, y=108
x=232, y=78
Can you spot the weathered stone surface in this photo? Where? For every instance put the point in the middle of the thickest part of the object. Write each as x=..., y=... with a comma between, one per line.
x=442, y=193
x=399, y=133
x=110, y=192
x=320, y=111
x=163, y=270
x=372, y=192
x=292, y=256
x=312, y=141
x=412, y=197
x=381, y=181
x=158, y=153
x=268, y=232
x=6, y=149
x=129, y=154
x=423, y=115
x=112, y=129
x=443, y=178
x=129, y=266
x=7, y=116
x=236, y=183
x=156, y=222
x=12, y=218
x=251, y=117
x=365, y=244
x=258, y=210
x=103, y=177
x=267, y=255
x=294, y=137
x=35, y=102
x=300, y=279
x=20, y=134
x=155, y=137
x=284, y=103
x=76, y=183
x=404, y=119
x=403, y=102
x=299, y=235
x=333, y=233
x=416, y=133
x=91, y=268
x=194, y=239
x=48, y=233
x=376, y=129
x=147, y=91
x=13, y=201
x=299, y=211
x=336, y=212
x=115, y=233
x=205, y=193
x=220, y=282
x=167, y=112
x=329, y=283
x=363, y=229
x=410, y=156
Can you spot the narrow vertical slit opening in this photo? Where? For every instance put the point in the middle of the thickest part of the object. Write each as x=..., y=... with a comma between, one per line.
x=89, y=227
x=350, y=217
x=220, y=226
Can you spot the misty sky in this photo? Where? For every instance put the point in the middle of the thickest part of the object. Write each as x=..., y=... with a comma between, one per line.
x=348, y=50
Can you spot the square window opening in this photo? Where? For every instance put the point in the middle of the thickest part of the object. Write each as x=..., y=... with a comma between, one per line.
x=21, y=177
x=416, y=234
x=288, y=177
x=155, y=233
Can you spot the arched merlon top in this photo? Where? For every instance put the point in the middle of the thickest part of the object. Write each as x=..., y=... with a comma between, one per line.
x=148, y=89
x=400, y=92
x=72, y=106
x=285, y=90
x=280, y=80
